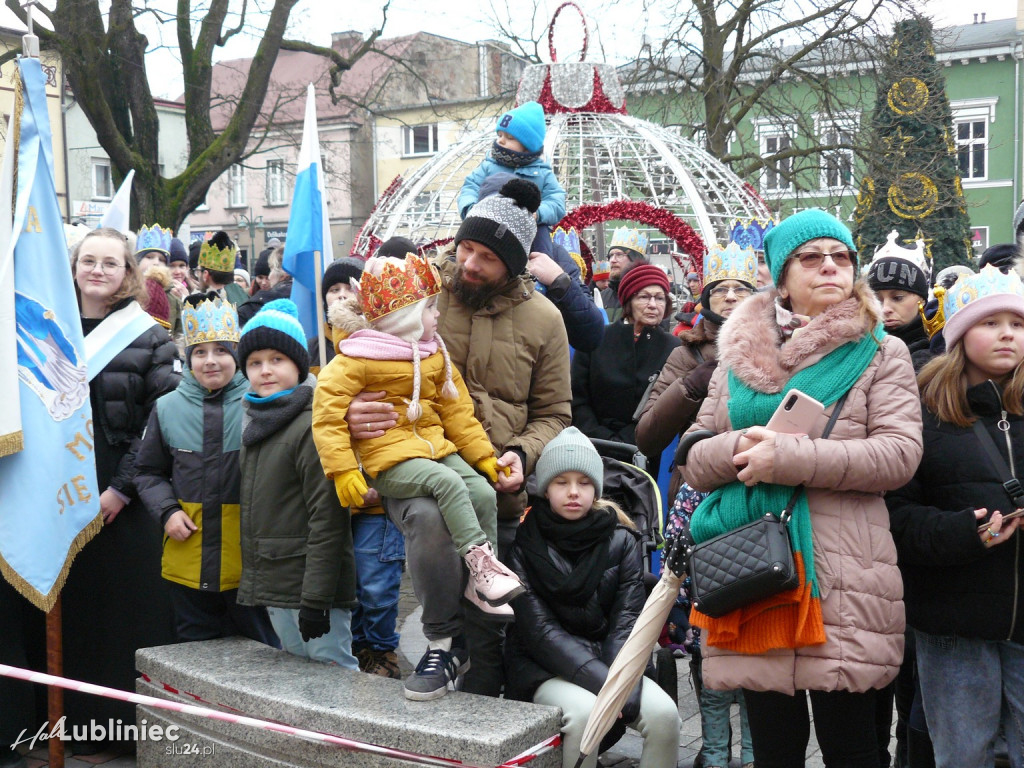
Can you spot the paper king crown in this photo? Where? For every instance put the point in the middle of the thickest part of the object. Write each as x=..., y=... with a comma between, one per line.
x=209, y=321
x=633, y=239
x=154, y=238
x=732, y=262
x=750, y=234
x=398, y=285
x=570, y=240
x=217, y=259
x=989, y=282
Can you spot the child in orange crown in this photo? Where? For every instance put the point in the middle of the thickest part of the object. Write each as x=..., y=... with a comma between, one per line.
x=438, y=448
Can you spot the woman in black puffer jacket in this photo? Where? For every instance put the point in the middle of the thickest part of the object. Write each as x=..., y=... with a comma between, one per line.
x=583, y=574
x=115, y=601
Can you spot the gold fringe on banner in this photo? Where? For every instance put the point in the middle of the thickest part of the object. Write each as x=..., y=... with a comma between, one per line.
x=11, y=443
x=33, y=595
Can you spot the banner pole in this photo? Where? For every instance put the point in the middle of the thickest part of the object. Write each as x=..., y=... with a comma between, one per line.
x=321, y=323
x=55, y=667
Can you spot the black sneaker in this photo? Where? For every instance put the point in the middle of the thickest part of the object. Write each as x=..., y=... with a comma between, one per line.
x=438, y=672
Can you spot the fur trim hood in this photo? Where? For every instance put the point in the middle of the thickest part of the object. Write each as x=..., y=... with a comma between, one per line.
x=703, y=332
x=161, y=274
x=751, y=345
x=346, y=316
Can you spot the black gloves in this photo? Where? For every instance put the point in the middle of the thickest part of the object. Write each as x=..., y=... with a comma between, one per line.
x=314, y=623
x=696, y=382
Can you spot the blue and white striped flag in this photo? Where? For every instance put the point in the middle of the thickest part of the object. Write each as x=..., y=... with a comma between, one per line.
x=309, y=224
x=49, y=502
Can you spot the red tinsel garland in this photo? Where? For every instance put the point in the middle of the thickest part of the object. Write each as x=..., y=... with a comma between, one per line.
x=599, y=102
x=551, y=30
x=684, y=236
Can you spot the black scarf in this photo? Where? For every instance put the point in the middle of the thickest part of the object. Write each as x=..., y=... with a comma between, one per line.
x=584, y=542
x=267, y=417
x=511, y=158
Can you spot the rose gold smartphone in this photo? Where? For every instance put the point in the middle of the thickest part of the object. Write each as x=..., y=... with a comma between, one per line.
x=797, y=414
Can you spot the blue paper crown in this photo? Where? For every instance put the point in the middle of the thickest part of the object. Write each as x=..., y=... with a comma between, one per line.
x=633, y=239
x=154, y=238
x=733, y=262
x=570, y=240
x=988, y=282
x=751, y=234
x=209, y=321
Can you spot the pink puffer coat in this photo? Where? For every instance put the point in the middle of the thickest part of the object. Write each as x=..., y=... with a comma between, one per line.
x=875, y=446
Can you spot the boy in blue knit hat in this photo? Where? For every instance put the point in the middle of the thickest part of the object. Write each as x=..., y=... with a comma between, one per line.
x=297, y=556
x=517, y=150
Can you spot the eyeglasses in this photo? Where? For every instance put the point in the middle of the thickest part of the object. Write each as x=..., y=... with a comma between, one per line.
x=647, y=298
x=814, y=259
x=739, y=291
x=107, y=266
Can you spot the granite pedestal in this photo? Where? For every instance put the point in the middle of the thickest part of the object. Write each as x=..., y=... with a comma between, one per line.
x=265, y=683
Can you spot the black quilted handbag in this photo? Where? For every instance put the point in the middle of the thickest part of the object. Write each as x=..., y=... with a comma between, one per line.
x=749, y=563
x=743, y=566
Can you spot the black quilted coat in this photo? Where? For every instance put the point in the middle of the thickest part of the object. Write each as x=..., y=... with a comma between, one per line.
x=576, y=643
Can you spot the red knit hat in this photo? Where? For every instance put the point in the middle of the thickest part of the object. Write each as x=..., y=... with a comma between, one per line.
x=637, y=278
x=158, y=306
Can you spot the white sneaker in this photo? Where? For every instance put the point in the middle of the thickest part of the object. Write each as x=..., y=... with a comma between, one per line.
x=491, y=582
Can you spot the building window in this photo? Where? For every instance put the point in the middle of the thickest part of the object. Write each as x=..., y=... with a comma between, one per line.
x=276, y=192
x=419, y=139
x=837, y=163
x=102, y=183
x=776, y=175
x=236, y=186
x=972, y=148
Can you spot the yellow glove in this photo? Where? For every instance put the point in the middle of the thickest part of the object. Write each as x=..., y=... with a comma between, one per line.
x=489, y=467
x=350, y=487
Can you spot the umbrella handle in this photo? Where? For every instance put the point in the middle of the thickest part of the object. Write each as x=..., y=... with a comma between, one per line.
x=677, y=559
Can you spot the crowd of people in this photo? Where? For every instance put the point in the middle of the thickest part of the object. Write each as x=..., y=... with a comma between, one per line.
x=248, y=491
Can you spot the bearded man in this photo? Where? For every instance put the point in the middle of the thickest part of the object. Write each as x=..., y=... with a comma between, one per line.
x=509, y=343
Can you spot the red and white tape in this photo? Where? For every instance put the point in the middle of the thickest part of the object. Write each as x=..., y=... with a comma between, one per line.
x=229, y=717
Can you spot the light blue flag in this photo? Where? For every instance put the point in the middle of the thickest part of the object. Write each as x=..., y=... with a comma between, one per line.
x=309, y=225
x=49, y=502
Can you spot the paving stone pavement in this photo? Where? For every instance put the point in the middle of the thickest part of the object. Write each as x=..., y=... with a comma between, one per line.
x=625, y=754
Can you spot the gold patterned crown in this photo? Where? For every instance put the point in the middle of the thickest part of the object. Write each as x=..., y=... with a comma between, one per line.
x=988, y=282
x=209, y=321
x=398, y=284
x=730, y=263
x=216, y=259
x=633, y=239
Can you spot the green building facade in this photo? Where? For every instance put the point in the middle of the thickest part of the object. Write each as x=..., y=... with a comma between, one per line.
x=982, y=63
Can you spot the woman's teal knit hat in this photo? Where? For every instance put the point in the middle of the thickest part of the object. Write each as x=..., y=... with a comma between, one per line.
x=791, y=233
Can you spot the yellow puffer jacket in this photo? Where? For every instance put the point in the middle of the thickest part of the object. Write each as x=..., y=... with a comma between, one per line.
x=445, y=427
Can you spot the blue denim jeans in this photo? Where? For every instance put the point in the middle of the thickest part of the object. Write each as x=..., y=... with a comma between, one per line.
x=379, y=550
x=967, y=687
x=715, y=727
x=333, y=648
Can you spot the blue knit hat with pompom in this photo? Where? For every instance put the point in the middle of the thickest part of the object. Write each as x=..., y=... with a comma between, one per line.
x=276, y=326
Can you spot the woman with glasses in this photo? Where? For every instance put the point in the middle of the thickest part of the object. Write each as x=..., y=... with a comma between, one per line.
x=838, y=636
x=115, y=600
x=609, y=383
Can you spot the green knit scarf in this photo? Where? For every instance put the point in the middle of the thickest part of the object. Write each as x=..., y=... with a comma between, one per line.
x=735, y=504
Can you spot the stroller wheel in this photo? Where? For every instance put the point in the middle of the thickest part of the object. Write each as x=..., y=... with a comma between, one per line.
x=665, y=671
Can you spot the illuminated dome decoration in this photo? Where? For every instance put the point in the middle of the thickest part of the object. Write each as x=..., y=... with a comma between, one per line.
x=614, y=168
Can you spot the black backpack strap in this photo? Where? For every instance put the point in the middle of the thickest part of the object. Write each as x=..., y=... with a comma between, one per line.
x=1012, y=486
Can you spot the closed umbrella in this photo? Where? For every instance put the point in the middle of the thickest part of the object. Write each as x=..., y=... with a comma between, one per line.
x=632, y=658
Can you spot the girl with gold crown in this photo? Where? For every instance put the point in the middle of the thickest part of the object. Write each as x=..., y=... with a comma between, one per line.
x=962, y=587
x=438, y=448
